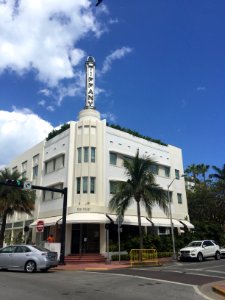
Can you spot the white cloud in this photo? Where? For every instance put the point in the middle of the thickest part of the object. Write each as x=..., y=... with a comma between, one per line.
x=50, y=108
x=113, y=21
x=19, y=131
x=109, y=116
x=41, y=35
x=42, y=102
x=201, y=88
x=117, y=54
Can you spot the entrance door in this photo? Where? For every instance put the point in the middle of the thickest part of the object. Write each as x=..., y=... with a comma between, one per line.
x=75, y=242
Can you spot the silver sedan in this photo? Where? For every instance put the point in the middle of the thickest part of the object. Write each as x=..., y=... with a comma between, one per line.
x=28, y=258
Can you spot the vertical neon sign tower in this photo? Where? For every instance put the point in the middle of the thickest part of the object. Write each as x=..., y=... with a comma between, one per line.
x=90, y=83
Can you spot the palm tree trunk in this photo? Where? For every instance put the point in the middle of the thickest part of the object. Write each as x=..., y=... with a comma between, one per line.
x=2, y=231
x=139, y=225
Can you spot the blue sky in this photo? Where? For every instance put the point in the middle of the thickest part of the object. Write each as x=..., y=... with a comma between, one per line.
x=160, y=70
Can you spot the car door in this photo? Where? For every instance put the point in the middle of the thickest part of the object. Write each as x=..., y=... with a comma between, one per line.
x=21, y=256
x=6, y=256
x=207, y=245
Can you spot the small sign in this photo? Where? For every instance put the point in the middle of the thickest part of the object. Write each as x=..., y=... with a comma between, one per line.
x=40, y=226
x=27, y=185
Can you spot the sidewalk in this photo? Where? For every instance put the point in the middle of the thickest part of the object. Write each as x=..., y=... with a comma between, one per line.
x=93, y=266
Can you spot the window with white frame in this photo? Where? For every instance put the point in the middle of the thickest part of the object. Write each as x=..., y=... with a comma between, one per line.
x=113, y=186
x=78, y=185
x=24, y=169
x=54, y=164
x=179, y=198
x=154, y=169
x=113, y=158
x=92, y=185
x=86, y=154
x=79, y=154
x=93, y=154
x=167, y=171
x=35, y=172
x=85, y=184
x=50, y=195
x=35, y=166
x=177, y=174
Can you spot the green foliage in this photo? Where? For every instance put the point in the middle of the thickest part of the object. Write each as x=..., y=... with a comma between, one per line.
x=55, y=132
x=115, y=257
x=137, y=134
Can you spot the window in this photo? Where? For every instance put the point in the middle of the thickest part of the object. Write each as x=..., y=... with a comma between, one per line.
x=162, y=230
x=50, y=195
x=35, y=172
x=86, y=150
x=92, y=185
x=93, y=154
x=177, y=174
x=85, y=185
x=154, y=169
x=36, y=160
x=78, y=185
x=113, y=158
x=179, y=198
x=24, y=169
x=79, y=154
x=113, y=186
x=54, y=164
x=167, y=171
x=59, y=162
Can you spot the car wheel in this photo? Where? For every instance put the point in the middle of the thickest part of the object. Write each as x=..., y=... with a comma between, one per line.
x=217, y=255
x=30, y=266
x=200, y=257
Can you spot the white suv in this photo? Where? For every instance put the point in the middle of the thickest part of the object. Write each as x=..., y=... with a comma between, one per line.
x=200, y=250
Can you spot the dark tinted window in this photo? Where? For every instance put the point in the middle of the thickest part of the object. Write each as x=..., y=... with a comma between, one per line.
x=10, y=249
x=22, y=249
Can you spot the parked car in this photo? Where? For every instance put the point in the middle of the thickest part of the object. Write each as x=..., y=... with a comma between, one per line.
x=222, y=252
x=200, y=250
x=28, y=258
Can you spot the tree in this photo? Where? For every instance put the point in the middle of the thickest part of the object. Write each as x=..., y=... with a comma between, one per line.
x=13, y=199
x=140, y=187
x=220, y=173
x=203, y=169
x=193, y=170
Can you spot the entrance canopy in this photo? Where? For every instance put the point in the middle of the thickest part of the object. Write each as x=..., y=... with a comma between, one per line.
x=47, y=221
x=87, y=218
x=163, y=222
x=188, y=224
x=132, y=220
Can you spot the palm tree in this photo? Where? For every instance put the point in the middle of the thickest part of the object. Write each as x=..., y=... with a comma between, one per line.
x=140, y=187
x=203, y=169
x=13, y=199
x=194, y=171
x=220, y=173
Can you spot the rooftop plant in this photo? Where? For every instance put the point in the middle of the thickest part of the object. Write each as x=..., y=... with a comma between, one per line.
x=55, y=132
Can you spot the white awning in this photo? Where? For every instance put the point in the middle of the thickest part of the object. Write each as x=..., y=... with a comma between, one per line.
x=87, y=218
x=47, y=221
x=163, y=222
x=188, y=224
x=132, y=220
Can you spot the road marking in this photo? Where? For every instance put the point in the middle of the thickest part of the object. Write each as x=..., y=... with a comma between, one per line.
x=195, y=287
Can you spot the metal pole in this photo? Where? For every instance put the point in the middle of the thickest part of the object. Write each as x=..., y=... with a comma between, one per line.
x=118, y=227
x=63, y=228
x=107, y=245
x=171, y=223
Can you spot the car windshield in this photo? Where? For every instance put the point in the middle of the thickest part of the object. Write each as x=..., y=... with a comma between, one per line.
x=194, y=244
x=42, y=249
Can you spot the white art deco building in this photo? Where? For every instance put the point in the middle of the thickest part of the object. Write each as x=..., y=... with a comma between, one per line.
x=87, y=158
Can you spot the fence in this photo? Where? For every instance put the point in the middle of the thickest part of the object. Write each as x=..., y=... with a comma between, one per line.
x=143, y=256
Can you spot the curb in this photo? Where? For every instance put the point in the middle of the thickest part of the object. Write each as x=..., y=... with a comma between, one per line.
x=220, y=289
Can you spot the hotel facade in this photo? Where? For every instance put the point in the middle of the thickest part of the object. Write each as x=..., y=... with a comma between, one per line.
x=87, y=158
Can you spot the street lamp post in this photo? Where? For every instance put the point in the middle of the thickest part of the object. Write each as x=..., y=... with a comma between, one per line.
x=171, y=221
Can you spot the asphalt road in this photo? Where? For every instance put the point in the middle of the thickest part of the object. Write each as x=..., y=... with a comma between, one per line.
x=174, y=281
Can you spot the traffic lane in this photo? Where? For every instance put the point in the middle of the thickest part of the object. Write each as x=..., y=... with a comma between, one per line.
x=85, y=285
x=167, y=275
x=209, y=267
